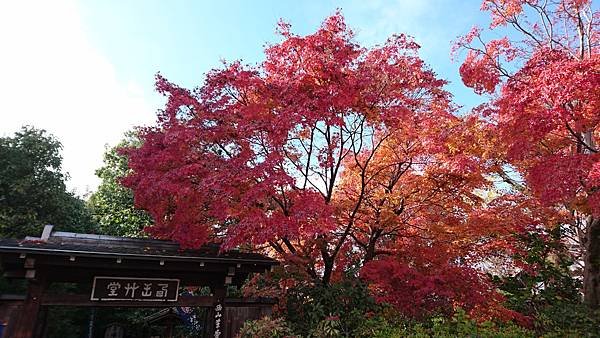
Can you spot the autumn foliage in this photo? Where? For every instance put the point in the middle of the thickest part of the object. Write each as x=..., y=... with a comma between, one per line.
x=427, y=285
x=328, y=155
x=335, y=158
x=544, y=81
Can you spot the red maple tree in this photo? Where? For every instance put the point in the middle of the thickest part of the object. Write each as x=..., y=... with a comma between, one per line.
x=544, y=85
x=328, y=155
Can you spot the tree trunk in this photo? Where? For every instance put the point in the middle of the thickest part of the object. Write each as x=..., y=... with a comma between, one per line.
x=327, y=270
x=591, y=272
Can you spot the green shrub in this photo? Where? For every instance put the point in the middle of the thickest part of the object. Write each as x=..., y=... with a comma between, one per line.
x=460, y=325
x=384, y=325
x=547, y=292
x=325, y=310
x=567, y=319
x=379, y=327
x=266, y=328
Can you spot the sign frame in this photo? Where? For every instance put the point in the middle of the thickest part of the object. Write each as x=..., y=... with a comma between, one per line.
x=176, y=280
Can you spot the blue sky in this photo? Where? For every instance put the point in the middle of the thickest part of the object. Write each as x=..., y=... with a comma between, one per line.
x=184, y=39
x=84, y=70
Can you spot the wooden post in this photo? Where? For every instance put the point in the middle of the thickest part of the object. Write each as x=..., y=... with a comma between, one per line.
x=168, y=332
x=28, y=321
x=41, y=326
x=91, y=322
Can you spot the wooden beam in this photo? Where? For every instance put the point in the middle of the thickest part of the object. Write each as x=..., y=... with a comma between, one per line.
x=82, y=275
x=14, y=274
x=203, y=301
x=84, y=301
x=251, y=302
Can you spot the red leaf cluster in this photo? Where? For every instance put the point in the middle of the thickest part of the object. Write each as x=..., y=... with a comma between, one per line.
x=429, y=285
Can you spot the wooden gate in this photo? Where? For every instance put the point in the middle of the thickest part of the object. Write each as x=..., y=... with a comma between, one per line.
x=129, y=272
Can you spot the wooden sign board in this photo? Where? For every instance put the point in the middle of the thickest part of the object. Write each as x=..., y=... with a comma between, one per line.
x=135, y=289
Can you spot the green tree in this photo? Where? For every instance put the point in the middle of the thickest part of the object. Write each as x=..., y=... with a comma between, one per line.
x=32, y=187
x=112, y=204
x=544, y=289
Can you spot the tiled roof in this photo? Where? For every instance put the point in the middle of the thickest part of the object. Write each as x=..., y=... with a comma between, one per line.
x=65, y=243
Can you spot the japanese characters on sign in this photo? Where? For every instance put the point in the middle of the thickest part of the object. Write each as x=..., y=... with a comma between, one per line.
x=218, y=318
x=137, y=289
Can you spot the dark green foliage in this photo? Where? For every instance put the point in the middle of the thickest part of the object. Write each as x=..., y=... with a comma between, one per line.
x=567, y=319
x=546, y=280
x=320, y=310
x=32, y=187
x=545, y=289
x=13, y=286
x=112, y=204
x=385, y=325
x=460, y=325
x=67, y=322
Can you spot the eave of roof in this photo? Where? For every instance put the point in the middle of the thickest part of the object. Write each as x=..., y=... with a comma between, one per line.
x=24, y=249
x=55, y=243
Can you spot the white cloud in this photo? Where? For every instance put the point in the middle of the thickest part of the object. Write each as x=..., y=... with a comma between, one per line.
x=399, y=16
x=425, y=20
x=52, y=77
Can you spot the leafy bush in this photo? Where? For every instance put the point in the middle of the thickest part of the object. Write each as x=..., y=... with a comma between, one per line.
x=380, y=327
x=568, y=320
x=460, y=325
x=323, y=311
x=385, y=324
x=266, y=328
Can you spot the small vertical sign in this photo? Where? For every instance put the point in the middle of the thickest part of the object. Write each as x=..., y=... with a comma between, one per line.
x=218, y=319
